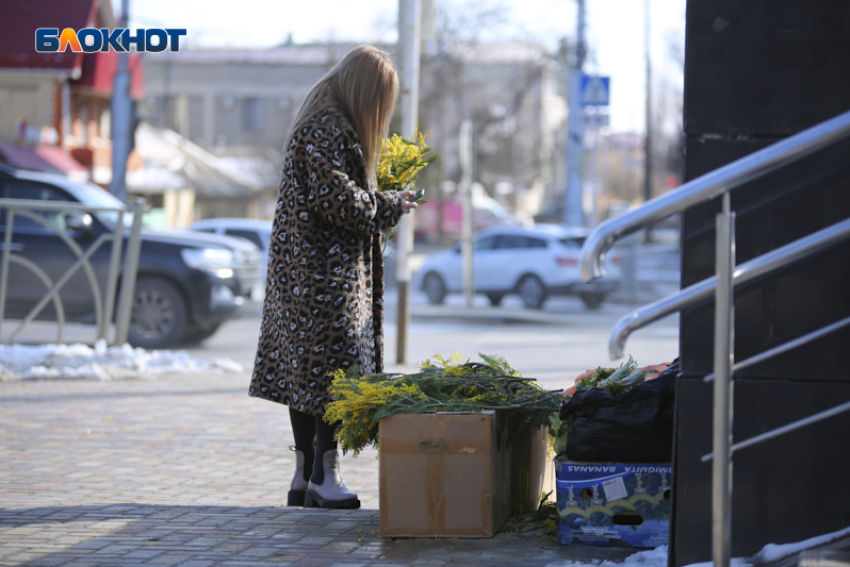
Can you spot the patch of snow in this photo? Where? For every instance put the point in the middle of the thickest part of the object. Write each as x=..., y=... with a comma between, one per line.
x=735, y=562
x=650, y=558
x=78, y=361
x=773, y=552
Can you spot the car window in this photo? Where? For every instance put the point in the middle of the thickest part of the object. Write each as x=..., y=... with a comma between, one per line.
x=536, y=243
x=574, y=242
x=486, y=243
x=511, y=242
x=23, y=189
x=90, y=194
x=251, y=235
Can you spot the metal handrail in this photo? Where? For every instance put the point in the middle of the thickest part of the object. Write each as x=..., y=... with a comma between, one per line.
x=36, y=205
x=727, y=275
x=785, y=347
x=743, y=273
x=707, y=187
x=103, y=306
x=794, y=425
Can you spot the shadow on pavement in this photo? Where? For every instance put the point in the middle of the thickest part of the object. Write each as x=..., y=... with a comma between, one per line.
x=136, y=534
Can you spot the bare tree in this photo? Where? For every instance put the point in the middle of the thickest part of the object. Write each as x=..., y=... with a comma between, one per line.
x=497, y=85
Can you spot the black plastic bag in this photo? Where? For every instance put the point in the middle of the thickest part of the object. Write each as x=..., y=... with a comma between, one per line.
x=634, y=427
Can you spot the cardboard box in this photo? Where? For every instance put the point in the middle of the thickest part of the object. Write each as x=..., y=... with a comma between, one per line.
x=613, y=504
x=442, y=474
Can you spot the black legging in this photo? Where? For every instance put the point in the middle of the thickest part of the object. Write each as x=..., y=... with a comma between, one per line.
x=309, y=432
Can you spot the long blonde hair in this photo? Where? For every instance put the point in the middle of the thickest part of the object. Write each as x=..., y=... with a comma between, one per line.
x=363, y=86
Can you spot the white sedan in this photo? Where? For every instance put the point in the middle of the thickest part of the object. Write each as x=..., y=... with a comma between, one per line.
x=531, y=262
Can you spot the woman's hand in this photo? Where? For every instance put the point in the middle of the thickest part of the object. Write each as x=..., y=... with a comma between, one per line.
x=407, y=206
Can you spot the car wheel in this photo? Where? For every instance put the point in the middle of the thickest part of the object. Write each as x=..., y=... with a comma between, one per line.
x=159, y=316
x=495, y=298
x=199, y=334
x=592, y=300
x=434, y=288
x=532, y=291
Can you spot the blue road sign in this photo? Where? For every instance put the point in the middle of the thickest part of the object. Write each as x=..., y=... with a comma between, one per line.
x=595, y=90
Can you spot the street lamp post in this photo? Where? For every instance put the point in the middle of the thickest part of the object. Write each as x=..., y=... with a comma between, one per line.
x=122, y=111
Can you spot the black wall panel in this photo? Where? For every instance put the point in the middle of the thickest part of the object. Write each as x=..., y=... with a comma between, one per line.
x=784, y=206
x=787, y=489
x=757, y=71
x=765, y=67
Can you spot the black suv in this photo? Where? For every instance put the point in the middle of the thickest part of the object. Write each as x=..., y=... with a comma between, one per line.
x=187, y=284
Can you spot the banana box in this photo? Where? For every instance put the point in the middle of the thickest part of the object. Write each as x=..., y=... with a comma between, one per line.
x=613, y=504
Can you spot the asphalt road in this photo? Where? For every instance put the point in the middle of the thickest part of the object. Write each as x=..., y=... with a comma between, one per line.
x=553, y=345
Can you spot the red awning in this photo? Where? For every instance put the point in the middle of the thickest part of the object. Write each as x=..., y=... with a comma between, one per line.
x=99, y=70
x=17, y=33
x=50, y=159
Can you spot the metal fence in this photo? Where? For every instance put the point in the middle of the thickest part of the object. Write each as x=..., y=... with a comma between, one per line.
x=104, y=299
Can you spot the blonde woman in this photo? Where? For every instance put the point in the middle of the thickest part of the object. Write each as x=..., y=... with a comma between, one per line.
x=324, y=289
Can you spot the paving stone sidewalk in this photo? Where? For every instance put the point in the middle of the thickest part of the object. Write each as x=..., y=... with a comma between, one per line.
x=187, y=470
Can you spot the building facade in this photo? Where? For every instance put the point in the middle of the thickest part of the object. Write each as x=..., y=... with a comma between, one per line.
x=240, y=103
x=56, y=105
x=232, y=101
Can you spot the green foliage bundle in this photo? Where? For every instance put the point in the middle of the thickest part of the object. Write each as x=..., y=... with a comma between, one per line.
x=448, y=385
x=615, y=380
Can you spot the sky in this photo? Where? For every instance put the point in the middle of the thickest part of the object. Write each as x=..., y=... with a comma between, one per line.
x=615, y=32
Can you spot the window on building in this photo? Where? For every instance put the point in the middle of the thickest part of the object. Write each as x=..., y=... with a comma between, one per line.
x=106, y=124
x=252, y=114
x=83, y=117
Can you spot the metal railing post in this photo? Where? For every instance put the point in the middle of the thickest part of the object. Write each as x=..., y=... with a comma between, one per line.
x=131, y=265
x=724, y=341
x=4, y=271
x=112, y=278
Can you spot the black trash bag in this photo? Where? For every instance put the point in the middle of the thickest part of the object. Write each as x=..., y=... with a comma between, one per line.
x=634, y=427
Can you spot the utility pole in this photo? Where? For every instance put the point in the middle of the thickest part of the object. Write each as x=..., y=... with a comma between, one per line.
x=647, y=167
x=573, y=197
x=410, y=23
x=466, y=149
x=122, y=117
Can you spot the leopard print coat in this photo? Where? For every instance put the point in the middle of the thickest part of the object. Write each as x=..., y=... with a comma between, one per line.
x=324, y=289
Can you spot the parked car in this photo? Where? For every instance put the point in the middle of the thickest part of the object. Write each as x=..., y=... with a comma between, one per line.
x=187, y=284
x=257, y=231
x=534, y=263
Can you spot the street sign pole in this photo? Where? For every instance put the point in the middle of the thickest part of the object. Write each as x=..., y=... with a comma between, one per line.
x=409, y=38
x=122, y=110
x=595, y=96
x=573, y=213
